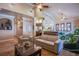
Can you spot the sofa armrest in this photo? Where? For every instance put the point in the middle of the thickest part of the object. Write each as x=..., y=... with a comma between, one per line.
x=60, y=47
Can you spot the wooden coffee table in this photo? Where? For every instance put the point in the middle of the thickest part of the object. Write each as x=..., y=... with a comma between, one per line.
x=32, y=51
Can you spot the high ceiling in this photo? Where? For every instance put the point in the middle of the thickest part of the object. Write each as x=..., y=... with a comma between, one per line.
x=70, y=9
x=67, y=8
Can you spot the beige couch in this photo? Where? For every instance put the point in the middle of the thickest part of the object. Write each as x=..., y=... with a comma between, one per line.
x=49, y=42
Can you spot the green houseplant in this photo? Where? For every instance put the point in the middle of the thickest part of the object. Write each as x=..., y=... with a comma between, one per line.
x=76, y=32
x=72, y=39
x=72, y=42
x=62, y=35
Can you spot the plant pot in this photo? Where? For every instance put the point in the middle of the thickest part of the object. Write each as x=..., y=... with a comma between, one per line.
x=70, y=46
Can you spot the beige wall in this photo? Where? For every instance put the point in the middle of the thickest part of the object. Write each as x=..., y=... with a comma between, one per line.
x=68, y=20
x=27, y=28
x=7, y=33
x=77, y=23
x=74, y=20
x=20, y=9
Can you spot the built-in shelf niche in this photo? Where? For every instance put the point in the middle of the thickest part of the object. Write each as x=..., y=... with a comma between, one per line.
x=39, y=26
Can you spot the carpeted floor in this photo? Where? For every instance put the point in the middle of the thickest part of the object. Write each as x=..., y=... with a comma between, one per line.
x=68, y=53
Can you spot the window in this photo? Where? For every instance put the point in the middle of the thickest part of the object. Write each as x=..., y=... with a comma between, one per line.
x=57, y=27
x=62, y=26
x=68, y=26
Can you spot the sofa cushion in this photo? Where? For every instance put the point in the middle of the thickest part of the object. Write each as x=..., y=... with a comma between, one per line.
x=45, y=41
x=52, y=38
x=48, y=45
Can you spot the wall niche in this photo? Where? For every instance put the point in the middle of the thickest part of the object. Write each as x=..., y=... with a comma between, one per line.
x=5, y=24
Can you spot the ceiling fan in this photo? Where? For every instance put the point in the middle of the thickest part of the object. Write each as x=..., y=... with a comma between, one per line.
x=40, y=5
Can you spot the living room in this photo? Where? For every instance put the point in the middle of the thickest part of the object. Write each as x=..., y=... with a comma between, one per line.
x=46, y=29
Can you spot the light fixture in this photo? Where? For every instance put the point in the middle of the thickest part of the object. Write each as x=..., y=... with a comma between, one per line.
x=61, y=16
x=12, y=4
x=40, y=6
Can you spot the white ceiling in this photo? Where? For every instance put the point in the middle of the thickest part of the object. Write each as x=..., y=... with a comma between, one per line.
x=20, y=8
x=67, y=8
x=70, y=9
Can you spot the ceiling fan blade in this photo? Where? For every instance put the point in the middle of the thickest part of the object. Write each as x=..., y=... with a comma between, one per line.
x=45, y=6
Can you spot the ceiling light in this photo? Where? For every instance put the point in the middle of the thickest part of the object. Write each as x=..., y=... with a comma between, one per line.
x=39, y=6
x=11, y=4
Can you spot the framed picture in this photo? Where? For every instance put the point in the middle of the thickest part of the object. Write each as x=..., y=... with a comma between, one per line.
x=5, y=24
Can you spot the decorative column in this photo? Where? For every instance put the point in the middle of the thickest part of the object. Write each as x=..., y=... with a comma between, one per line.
x=19, y=25
x=38, y=21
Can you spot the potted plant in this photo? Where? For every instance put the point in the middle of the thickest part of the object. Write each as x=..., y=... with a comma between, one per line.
x=76, y=32
x=72, y=42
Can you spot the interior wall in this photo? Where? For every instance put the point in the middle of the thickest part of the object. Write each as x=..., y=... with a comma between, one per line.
x=27, y=26
x=7, y=33
x=49, y=21
x=71, y=20
x=76, y=23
